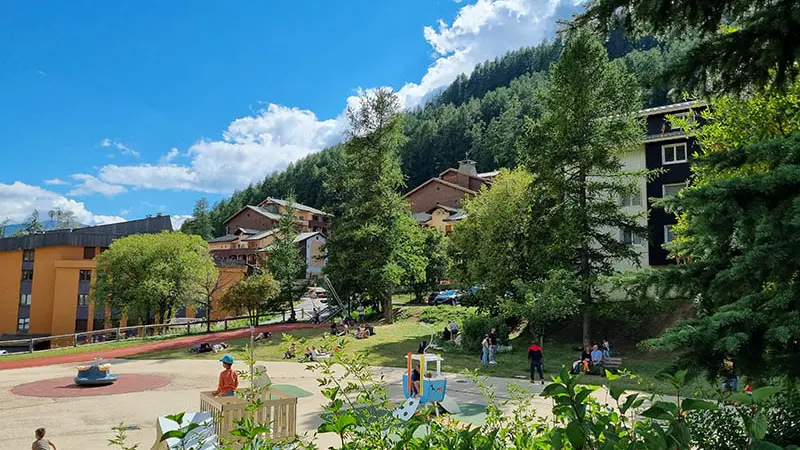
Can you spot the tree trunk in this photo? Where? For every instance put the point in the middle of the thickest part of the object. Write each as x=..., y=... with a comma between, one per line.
x=292, y=316
x=208, y=315
x=388, y=313
x=585, y=270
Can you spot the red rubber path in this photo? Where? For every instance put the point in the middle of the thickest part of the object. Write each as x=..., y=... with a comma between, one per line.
x=172, y=344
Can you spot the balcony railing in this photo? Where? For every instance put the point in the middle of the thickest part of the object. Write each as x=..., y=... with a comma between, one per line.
x=278, y=413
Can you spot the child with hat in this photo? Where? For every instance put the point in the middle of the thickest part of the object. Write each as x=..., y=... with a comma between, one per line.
x=228, y=378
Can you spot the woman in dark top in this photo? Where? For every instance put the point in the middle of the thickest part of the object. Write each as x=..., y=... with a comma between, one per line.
x=586, y=358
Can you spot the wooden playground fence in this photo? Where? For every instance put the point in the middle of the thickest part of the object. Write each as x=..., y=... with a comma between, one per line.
x=278, y=413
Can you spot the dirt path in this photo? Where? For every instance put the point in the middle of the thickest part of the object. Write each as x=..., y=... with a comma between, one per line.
x=172, y=344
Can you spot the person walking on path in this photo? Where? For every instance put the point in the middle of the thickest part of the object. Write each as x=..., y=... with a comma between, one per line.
x=228, y=378
x=535, y=357
x=41, y=443
x=493, y=346
x=361, y=314
x=485, y=350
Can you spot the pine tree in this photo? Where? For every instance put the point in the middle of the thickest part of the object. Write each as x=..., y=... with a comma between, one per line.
x=574, y=155
x=371, y=248
x=742, y=43
x=200, y=223
x=738, y=238
x=283, y=258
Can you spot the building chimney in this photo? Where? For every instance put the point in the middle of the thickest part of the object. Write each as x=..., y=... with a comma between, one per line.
x=467, y=166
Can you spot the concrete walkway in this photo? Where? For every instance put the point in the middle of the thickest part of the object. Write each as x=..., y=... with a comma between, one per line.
x=172, y=344
x=86, y=422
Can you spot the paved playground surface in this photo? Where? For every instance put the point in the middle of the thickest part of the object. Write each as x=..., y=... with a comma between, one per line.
x=86, y=422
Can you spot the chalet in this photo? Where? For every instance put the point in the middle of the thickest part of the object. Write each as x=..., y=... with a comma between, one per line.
x=437, y=203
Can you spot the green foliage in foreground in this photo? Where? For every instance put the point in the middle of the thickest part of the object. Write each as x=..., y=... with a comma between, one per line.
x=359, y=413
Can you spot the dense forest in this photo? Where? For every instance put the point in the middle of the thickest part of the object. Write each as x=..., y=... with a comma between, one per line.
x=479, y=115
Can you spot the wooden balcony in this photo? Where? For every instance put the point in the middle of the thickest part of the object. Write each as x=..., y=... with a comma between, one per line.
x=278, y=413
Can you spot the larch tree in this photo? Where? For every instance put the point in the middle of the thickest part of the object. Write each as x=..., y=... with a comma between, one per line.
x=371, y=249
x=284, y=261
x=574, y=152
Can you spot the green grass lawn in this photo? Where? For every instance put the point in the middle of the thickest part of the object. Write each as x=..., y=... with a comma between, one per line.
x=392, y=342
x=89, y=349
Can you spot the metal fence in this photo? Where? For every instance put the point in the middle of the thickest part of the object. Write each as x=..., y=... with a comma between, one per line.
x=191, y=326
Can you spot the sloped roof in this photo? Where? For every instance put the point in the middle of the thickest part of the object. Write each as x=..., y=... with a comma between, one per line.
x=299, y=206
x=303, y=236
x=451, y=169
x=446, y=208
x=674, y=107
x=421, y=217
x=457, y=216
x=491, y=174
x=439, y=180
x=258, y=210
x=261, y=235
x=226, y=238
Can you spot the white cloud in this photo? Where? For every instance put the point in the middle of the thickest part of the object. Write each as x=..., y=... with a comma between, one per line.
x=56, y=182
x=18, y=200
x=90, y=185
x=119, y=146
x=172, y=154
x=178, y=219
x=270, y=139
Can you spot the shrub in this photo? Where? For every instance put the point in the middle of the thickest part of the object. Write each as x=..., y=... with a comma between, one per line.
x=446, y=314
x=476, y=326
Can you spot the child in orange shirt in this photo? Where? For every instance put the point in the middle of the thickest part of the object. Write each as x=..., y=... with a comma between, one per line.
x=228, y=378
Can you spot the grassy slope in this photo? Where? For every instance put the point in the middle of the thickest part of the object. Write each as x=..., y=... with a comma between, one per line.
x=391, y=343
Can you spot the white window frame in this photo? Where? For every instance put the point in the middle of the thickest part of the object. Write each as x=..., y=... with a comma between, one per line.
x=24, y=324
x=25, y=299
x=635, y=240
x=665, y=185
x=627, y=201
x=667, y=232
x=674, y=146
x=86, y=297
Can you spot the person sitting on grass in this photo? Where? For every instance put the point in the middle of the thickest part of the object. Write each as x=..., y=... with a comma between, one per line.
x=41, y=443
x=262, y=336
x=228, y=378
x=291, y=352
x=307, y=355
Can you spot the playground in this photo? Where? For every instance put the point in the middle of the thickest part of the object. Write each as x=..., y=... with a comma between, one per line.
x=83, y=418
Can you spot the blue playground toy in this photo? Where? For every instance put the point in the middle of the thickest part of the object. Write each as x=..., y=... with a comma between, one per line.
x=431, y=389
x=95, y=374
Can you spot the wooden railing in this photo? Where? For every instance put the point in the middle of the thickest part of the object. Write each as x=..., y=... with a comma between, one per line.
x=278, y=413
x=120, y=333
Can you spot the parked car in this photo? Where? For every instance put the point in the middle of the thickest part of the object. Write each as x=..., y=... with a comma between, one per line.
x=432, y=298
x=450, y=296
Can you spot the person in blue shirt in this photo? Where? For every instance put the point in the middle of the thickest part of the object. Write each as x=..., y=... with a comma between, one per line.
x=597, y=357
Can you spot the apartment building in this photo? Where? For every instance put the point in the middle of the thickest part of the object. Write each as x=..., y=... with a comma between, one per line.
x=45, y=278
x=668, y=150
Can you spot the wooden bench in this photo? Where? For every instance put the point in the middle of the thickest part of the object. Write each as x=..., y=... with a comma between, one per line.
x=611, y=364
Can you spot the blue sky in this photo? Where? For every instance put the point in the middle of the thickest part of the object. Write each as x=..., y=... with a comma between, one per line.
x=116, y=110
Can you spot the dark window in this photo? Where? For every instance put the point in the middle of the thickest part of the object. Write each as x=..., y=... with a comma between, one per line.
x=83, y=299
x=81, y=325
x=99, y=323
x=25, y=300
x=24, y=324
x=102, y=249
x=27, y=274
x=85, y=275
x=315, y=218
x=27, y=255
x=88, y=252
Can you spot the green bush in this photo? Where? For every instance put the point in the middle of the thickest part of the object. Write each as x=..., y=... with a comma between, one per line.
x=476, y=326
x=446, y=314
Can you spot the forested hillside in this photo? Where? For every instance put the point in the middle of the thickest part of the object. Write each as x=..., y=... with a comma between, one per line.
x=479, y=115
